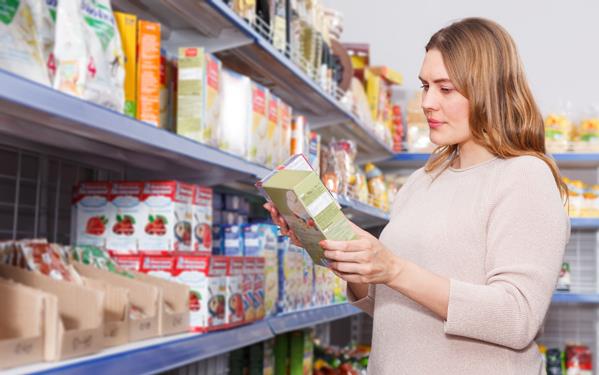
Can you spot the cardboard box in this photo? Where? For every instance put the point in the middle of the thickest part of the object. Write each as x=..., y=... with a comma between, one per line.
x=308, y=207
x=173, y=314
x=128, y=262
x=127, y=24
x=28, y=325
x=235, y=314
x=91, y=213
x=212, y=98
x=257, y=148
x=235, y=113
x=284, y=144
x=191, y=94
x=260, y=297
x=115, y=311
x=202, y=219
x=232, y=240
x=217, y=293
x=271, y=132
x=143, y=297
x=148, y=72
x=79, y=330
x=192, y=270
x=247, y=288
x=167, y=225
x=128, y=216
x=158, y=265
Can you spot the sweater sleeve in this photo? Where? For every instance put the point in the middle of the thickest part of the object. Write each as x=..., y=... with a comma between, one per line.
x=366, y=304
x=527, y=232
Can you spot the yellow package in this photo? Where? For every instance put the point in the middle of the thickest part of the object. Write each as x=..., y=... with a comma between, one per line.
x=558, y=132
x=285, y=118
x=127, y=24
x=190, y=93
x=257, y=148
x=273, y=120
x=587, y=135
x=148, y=72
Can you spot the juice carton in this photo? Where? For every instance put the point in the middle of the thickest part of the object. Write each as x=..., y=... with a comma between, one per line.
x=128, y=262
x=234, y=312
x=167, y=225
x=128, y=217
x=212, y=98
x=235, y=113
x=167, y=72
x=202, y=219
x=249, y=265
x=161, y=266
x=257, y=149
x=127, y=24
x=285, y=116
x=192, y=270
x=259, y=289
x=310, y=209
x=92, y=213
x=148, y=72
x=191, y=94
x=217, y=292
x=233, y=242
x=271, y=132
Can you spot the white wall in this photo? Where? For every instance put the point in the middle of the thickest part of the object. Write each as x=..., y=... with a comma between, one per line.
x=558, y=40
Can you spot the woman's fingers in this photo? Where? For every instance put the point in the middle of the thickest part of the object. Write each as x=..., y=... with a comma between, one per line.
x=347, y=256
x=352, y=268
x=355, y=245
x=349, y=277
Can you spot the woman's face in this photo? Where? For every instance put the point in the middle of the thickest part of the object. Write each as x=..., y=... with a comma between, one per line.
x=444, y=107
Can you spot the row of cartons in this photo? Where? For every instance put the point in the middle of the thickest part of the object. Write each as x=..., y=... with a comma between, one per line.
x=43, y=319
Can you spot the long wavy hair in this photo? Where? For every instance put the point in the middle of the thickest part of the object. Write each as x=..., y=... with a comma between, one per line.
x=483, y=63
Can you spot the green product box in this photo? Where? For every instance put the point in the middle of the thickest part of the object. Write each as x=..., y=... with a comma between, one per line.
x=296, y=351
x=190, y=93
x=308, y=207
x=282, y=354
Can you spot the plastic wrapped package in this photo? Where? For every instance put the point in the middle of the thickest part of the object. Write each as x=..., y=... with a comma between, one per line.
x=377, y=187
x=558, y=132
x=344, y=154
x=89, y=57
x=587, y=132
x=27, y=39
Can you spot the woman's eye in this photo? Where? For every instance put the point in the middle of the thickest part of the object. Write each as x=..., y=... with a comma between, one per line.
x=446, y=89
x=424, y=87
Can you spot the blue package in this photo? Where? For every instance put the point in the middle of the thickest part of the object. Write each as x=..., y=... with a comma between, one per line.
x=217, y=243
x=260, y=238
x=232, y=238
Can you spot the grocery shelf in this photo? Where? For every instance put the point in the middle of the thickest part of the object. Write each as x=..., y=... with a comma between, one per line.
x=308, y=318
x=584, y=223
x=364, y=215
x=41, y=119
x=214, y=25
x=565, y=297
x=157, y=355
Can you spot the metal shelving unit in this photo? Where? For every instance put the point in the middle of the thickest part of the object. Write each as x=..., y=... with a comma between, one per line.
x=575, y=298
x=162, y=354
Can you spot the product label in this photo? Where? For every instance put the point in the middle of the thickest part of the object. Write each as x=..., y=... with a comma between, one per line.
x=99, y=17
x=8, y=9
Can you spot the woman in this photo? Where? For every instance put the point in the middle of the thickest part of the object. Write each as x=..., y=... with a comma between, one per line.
x=463, y=274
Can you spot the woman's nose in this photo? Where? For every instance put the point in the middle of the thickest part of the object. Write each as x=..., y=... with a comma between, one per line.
x=429, y=100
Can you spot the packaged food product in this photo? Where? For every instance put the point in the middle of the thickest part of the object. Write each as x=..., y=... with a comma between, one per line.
x=89, y=56
x=127, y=24
x=159, y=265
x=300, y=136
x=377, y=187
x=246, y=9
x=234, y=312
x=27, y=39
x=285, y=121
x=217, y=292
x=344, y=154
x=148, y=72
x=579, y=360
x=128, y=216
x=554, y=362
x=587, y=135
x=48, y=259
x=235, y=112
x=564, y=280
x=247, y=288
x=92, y=213
x=233, y=242
x=258, y=147
x=264, y=295
x=98, y=258
x=271, y=133
x=166, y=91
x=558, y=132
x=314, y=152
x=212, y=98
x=190, y=94
x=202, y=219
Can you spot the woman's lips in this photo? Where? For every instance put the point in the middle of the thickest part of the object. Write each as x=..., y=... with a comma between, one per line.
x=434, y=124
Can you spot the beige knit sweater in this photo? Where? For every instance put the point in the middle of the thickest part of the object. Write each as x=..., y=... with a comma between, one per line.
x=498, y=231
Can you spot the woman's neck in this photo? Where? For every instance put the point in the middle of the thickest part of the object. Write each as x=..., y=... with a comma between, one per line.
x=469, y=154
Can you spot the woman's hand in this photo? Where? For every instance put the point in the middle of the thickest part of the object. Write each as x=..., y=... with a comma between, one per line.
x=280, y=221
x=363, y=261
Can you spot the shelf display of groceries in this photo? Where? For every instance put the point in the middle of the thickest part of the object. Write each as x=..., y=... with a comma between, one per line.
x=575, y=359
x=572, y=131
x=583, y=199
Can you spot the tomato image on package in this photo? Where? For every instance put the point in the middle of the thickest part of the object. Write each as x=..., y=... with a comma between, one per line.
x=202, y=219
x=217, y=292
x=167, y=223
x=92, y=213
x=127, y=219
x=234, y=312
x=193, y=270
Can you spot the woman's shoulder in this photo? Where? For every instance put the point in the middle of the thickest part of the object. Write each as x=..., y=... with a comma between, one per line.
x=525, y=166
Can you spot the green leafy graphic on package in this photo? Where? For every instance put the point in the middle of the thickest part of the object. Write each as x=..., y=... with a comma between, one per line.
x=8, y=9
x=52, y=4
x=99, y=17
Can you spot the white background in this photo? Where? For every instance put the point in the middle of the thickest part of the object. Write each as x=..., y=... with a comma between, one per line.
x=558, y=40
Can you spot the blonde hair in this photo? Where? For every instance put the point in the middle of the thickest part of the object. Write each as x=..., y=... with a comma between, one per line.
x=483, y=63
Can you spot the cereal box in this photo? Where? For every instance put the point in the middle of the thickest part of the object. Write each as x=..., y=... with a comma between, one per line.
x=249, y=265
x=128, y=262
x=259, y=289
x=192, y=270
x=233, y=242
x=261, y=240
x=256, y=148
x=128, y=217
x=212, y=99
x=92, y=213
x=202, y=219
x=127, y=24
x=234, y=312
x=161, y=266
x=167, y=224
x=272, y=131
x=285, y=117
x=190, y=94
x=235, y=113
x=217, y=292
x=148, y=72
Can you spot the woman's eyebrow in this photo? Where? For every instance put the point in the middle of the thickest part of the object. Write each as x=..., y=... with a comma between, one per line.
x=439, y=80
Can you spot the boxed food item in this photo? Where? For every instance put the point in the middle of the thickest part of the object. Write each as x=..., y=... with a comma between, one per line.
x=23, y=27
x=564, y=280
x=99, y=258
x=212, y=98
x=191, y=94
x=257, y=148
x=307, y=206
x=259, y=290
x=29, y=327
x=234, y=312
x=307, y=291
x=127, y=262
x=145, y=300
x=233, y=242
x=217, y=292
x=127, y=24
x=313, y=152
x=167, y=91
x=247, y=288
x=271, y=131
x=79, y=329
x=148, y=72
x=88, y=53
x=91, y=213
x=290, y=278
x=300, y=136
x=235, y=113
x=285, y=120
x=167, y=225
x=192, y=270
x=158, y=265
x=202, y=219
x=128, y=216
